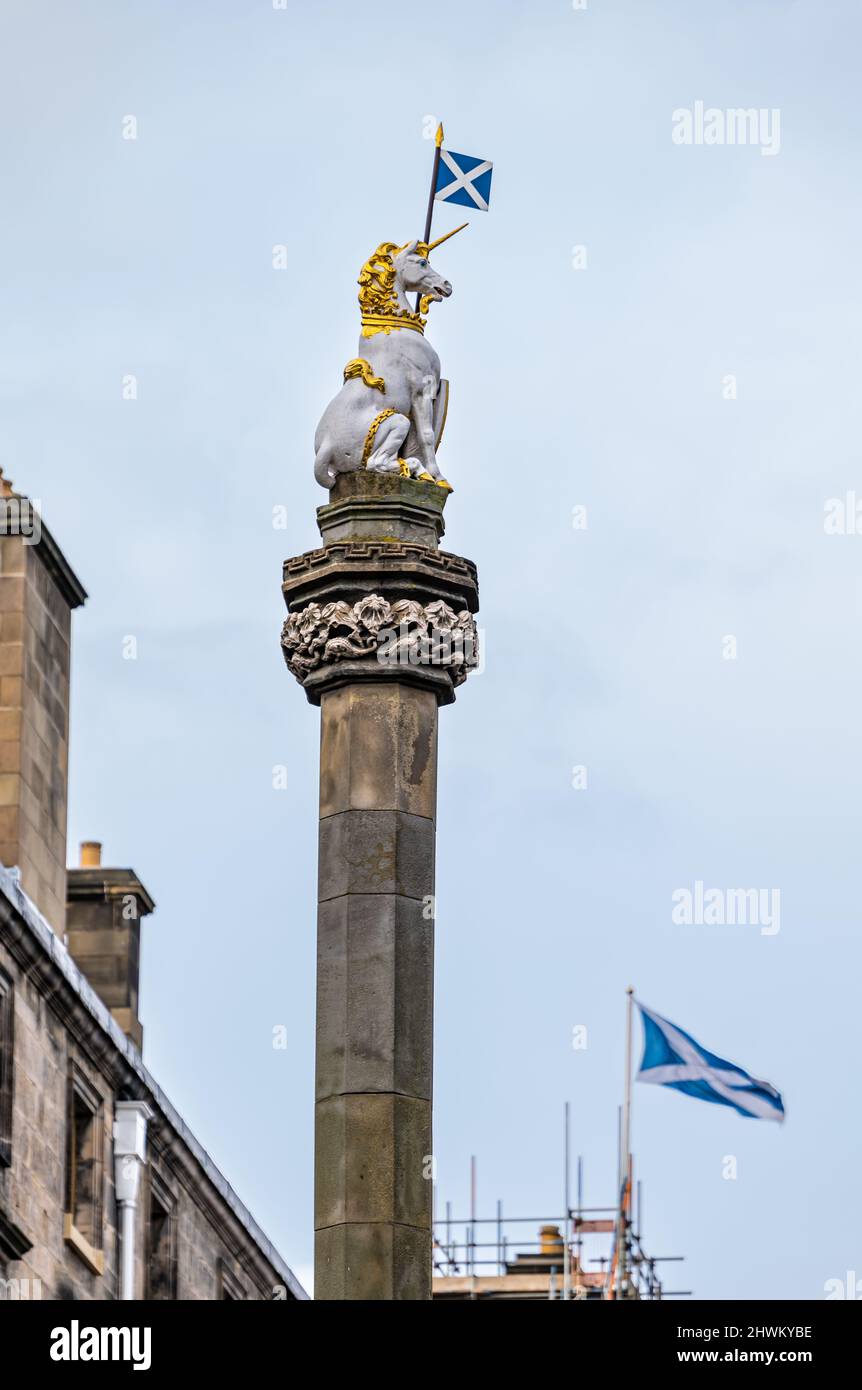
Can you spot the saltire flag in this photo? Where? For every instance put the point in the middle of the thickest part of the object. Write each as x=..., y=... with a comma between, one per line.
x=463, y=179
x=673, y=1058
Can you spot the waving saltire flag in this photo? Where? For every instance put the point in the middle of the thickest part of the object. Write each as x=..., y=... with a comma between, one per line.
x=672, y=1058
x=463, y=179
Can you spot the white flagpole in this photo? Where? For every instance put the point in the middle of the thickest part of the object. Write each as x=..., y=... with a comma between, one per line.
x=627, y=1113
x=567, y=1275
x=626, y=1156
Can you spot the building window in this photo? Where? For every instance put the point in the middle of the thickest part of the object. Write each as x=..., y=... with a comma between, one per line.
x=7, y=1030
x=161, y=1250
x=85, y=1145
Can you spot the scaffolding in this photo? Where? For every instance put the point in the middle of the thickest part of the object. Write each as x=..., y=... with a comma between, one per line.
x=499, y=1257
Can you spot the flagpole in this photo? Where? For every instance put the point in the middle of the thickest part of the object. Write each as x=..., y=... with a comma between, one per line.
x=567, y=1265
x=626, y=1159
x=438, y=142
x=627, y=1111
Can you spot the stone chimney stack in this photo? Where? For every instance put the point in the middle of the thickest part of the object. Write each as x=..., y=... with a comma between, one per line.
x=38, y=591
x=103, y=930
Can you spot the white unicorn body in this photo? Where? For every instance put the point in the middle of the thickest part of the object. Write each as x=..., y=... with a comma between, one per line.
x=389, y=414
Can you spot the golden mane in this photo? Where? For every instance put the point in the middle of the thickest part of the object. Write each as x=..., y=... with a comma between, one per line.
x=376, y=281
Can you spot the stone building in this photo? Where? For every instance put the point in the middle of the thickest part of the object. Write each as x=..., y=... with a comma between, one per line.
x=104, y=1191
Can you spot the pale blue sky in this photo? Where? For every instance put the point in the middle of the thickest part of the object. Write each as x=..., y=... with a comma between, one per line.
x=600, y=387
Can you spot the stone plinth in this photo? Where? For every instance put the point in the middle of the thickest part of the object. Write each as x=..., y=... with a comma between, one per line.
x=379, y=633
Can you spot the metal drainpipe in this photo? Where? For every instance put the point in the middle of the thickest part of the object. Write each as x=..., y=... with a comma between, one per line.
x=130, y=1155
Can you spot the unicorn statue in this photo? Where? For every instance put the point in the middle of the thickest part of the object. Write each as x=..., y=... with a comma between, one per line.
x=389, y=414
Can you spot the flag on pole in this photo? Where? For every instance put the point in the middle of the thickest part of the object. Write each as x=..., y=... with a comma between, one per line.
x=673, y=1058
x=463, y=179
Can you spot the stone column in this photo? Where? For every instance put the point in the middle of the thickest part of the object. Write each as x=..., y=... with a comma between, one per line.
x=379, y=632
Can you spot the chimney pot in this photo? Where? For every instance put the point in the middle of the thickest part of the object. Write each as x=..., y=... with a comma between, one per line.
x=550, y=1240
x=91, y=854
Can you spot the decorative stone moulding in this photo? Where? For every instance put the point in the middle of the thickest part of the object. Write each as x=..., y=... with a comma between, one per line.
x=377, y=600
x=347, y=569
x=399, y=634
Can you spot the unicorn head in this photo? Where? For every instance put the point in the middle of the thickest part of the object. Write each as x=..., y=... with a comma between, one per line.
x=416, y=274
x=394, y=271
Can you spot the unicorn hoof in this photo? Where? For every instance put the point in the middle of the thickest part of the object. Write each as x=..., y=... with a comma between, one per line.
x=424, y=478
x=441, y=482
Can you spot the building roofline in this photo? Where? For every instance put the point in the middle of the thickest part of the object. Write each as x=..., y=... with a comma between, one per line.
x=76, y=981
x=81, y=880
x=44, y=544
x=59, y=568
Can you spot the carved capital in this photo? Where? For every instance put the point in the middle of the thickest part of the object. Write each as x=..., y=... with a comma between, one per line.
x=372, y=638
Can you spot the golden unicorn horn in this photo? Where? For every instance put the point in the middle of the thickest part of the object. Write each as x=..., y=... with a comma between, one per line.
x=440, y=240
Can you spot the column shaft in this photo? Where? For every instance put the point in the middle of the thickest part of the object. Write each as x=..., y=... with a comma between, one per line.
x=375, y=966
